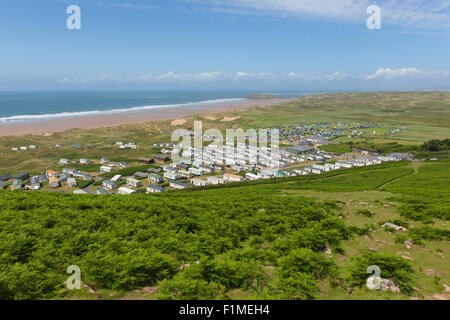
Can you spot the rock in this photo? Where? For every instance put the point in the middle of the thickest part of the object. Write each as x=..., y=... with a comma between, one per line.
x=431, y=272
x=396, y=227
x=184, y=266
x=407, y=258
x=363, y=203
x=150, y=290
x=387, y=284
x=372, y=249
x=408, y=244
x=327, y=251
x=440, y=297
x=447, y=288
x=90, y=287
x=262, y=210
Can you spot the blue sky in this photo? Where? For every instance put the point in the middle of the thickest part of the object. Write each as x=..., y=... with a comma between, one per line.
x=234, y=44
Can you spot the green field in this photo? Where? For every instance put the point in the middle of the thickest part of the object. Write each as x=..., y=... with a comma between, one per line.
x=337, y=148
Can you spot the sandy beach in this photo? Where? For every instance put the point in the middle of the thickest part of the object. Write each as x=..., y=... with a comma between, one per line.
x=41, y=127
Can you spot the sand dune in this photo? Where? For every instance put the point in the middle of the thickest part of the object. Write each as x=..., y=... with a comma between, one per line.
x=230, y=119
x=178, y=122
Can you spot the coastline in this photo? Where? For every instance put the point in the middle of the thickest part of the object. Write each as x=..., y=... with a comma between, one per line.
x=50, y=126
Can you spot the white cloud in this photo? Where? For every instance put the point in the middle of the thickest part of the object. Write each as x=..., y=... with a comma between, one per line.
x=332, y=76
x=294, y=75
x=147, y=77
x=258, y=76
x=204, y=76
x=101, y=78
x=123, y=5
x=323, y=8
x=171, y=76
x=388, y=73
x=336, y=76
x=419, y=14
x=209, y=76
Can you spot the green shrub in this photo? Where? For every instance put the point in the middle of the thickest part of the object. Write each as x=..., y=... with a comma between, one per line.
x=81, y=184
x=189, y=285
x=429, y=233
x=401, y=238
x=129, y=270
x=392, y=267
x=299, y=272
x=299, y=286
x=232, y=274
x=366, y=213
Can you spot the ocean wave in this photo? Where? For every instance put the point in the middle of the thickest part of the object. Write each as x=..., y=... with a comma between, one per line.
x=34, y=117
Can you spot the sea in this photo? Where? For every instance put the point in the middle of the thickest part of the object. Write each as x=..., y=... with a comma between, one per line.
x=32, y=106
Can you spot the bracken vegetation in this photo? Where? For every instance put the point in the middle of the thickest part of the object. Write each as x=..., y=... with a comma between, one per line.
x=210, y=244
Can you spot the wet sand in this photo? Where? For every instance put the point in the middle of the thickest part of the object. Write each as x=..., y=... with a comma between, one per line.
x=41, y=127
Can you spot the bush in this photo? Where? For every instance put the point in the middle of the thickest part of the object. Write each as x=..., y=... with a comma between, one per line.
x=127, y=271
x=299, y=286
x=392, y=267
x=299, y=272
x=361, y=231
x=83, y=183
x=429, y=233
x=189, y=285
x=366, y=213
x=306, y=261
x=233, y=274
x=25, y=281
x=400, y=239
x=436, y=145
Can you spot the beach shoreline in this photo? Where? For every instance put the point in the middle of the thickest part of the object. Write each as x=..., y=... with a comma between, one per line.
x=51, y=126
